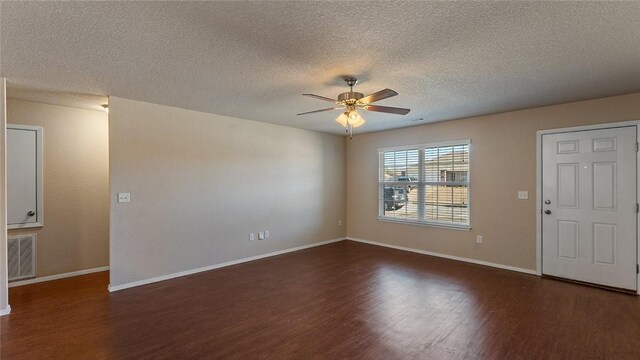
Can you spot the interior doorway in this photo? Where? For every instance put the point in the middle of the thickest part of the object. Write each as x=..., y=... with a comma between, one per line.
x=58, y=210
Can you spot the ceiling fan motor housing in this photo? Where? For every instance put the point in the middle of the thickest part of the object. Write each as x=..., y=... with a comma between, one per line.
x=350, y=96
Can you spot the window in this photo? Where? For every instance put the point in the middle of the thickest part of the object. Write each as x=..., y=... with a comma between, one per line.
x=425, y=184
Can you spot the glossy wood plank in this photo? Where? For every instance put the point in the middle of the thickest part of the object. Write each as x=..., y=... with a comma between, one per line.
x=340, y=301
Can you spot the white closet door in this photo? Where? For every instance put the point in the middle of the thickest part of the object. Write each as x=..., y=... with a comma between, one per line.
x=23, y=176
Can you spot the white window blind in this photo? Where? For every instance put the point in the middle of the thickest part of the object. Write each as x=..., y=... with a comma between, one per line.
x=425, y=184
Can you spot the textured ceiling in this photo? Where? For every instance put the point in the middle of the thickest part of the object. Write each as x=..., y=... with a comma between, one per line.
x=252, y=60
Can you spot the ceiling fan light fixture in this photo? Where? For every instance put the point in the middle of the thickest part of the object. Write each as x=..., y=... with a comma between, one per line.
x=353, y=117
x=359, y=123
x=342, y=119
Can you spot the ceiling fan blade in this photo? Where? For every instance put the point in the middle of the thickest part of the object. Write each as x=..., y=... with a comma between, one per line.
x=321, y=110
x=377, y=96
x=387, y=109
x=321, y=98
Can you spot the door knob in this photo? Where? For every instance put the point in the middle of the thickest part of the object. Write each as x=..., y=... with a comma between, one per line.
x=31, y=213
x=547, y=212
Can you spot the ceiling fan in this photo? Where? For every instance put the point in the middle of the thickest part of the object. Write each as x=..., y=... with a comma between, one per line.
x=351, y=101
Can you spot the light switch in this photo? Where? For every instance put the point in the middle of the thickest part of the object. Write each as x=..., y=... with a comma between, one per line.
x=124, y=197
x=261, y=235
x=523, y=195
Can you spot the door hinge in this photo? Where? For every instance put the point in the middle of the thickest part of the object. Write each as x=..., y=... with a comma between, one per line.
x=637, y=269
x=637, y=146
x=637, y=207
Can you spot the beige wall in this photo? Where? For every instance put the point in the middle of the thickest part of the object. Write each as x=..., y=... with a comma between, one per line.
x=503, y=161
x=75, y=235
x=200, y=183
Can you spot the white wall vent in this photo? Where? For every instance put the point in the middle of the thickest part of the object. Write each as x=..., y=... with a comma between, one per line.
x=21, y=252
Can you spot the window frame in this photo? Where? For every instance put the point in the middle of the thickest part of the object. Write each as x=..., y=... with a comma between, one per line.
x=421, y=182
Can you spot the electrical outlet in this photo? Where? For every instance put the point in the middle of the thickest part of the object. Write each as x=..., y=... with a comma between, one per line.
x=523, y=195
x=479, y=239
x=252, y=236
x=340, y=222
x=261, y=235
x=266, y=234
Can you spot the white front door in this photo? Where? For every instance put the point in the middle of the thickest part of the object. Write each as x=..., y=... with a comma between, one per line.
x=589, y=206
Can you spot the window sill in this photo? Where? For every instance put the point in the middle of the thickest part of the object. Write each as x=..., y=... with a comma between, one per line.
x=428, y=224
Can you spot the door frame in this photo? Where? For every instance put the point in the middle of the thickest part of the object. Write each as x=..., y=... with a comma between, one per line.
x=539, y=135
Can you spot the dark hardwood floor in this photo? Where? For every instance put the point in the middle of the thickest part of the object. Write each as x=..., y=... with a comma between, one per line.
x=341, y=301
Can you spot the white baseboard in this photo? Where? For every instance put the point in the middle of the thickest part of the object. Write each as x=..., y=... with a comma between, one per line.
x=58, y=276
x=451, y=257
x=5, y=311
x=217, y=266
